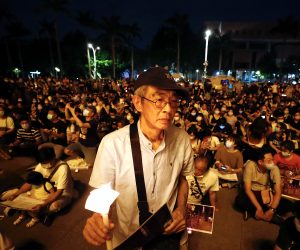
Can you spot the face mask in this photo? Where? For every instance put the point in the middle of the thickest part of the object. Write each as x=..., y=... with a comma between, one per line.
x=217, y=112
x=49, y=116
x=196, y=105
x=229, y=144
x=297, y=224
x=46, y=165
x=199, y=119
x=285, y=154
x=176, y=118
x=270, y=166
x=25, y=126
x=222, y=126
x=281, y=120
x=85, y=112
x=193, y=114
x=223, y=109
x=241, y=111
x=113, y=116
x=1, y=113
x=94, y=104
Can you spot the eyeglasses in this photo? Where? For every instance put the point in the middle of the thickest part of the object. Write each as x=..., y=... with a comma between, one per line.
x=161, y=103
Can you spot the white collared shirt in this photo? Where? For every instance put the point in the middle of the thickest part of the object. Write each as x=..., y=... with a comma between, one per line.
x=162, y=168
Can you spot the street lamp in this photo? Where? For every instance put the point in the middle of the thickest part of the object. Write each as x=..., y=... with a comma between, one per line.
x=197, y=74
x=205, y=64
x=90, y=46
x=57, y=70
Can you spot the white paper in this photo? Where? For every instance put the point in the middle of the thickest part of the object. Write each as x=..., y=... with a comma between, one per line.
x=100, y=199
x=228, y=177
x=23, y=202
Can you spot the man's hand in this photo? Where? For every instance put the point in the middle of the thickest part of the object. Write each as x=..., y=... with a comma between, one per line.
x=259, y=215
x=178, y=223
x=95, y=232
x=269, y=215
x=12, y=197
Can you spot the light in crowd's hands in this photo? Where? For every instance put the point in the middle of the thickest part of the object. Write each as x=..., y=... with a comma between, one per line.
x=100, y=199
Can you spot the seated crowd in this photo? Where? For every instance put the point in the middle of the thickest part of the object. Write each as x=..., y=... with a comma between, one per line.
x=249, y=130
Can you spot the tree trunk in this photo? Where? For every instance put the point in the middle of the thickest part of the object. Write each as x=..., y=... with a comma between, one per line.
x=132, y=63
x=9, y=60
x=113, y=54
x=178, y=54
x=220, y=59
x=58, y=47
x=20, y=57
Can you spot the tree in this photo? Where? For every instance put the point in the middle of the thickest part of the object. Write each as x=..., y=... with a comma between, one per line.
x=132, y=31
x=114, y=31
x=178, y=23
x=15, y=32
x=56, y=7
x=48, y=28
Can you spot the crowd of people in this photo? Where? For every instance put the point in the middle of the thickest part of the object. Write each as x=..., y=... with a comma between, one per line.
x=239, y=129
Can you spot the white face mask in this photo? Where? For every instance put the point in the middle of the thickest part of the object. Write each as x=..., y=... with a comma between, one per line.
x=193, y=114
x=176, y=118
x=229, y=144
x=199, y=118
x=217, y=112
x=285, y=154
x=49, y=116
x=297, y=224
x=85, y=112
x=270, y=166
x=46, y=165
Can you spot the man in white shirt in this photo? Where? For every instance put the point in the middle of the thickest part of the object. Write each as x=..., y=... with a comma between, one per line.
x=204, y=179
x=167, y=159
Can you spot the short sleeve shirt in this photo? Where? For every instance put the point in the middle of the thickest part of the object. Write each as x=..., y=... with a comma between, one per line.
x=260, y=180
x=208, y=182
x=162, y=169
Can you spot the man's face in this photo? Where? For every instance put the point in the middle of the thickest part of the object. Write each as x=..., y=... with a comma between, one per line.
x=157, y=117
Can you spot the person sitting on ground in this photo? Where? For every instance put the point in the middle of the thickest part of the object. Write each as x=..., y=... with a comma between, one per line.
x=56, y=171
x=289, y=233
x=195, y=141
x=88, y=137
x=55, y=133
x=40, y=189
x=287, y=161
x=230, y=157
x=7, y=126
x=261, y=196
x=204, y=184
x=28, y=139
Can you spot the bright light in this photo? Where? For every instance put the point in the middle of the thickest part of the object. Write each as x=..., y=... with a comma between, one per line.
x=98, y=48
x=90, y=45
x=218, y=73
x=207, y=33
x=57, y=69
x=257, y=72
x=197, y=70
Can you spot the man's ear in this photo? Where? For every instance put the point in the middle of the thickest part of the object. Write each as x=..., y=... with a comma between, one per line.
x=260, y=162
x=137, y=102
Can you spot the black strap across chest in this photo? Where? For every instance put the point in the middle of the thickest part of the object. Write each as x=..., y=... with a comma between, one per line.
x=139, y=174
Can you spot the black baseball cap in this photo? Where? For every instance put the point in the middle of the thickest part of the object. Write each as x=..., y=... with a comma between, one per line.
x=161, y=78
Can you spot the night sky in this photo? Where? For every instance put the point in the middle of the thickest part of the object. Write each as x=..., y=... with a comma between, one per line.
x=151, y=14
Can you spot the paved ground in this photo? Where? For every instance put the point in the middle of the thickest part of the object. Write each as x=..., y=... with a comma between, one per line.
x=229, y=232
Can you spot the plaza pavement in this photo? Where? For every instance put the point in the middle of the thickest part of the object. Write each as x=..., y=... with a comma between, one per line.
x=230, y=231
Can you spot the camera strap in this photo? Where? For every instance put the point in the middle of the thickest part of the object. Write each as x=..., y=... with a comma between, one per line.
x=142, y=204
